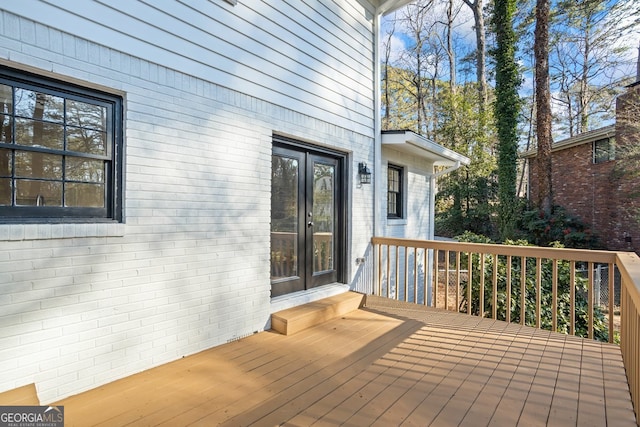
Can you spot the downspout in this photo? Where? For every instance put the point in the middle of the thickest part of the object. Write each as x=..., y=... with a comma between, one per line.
x=377, y=126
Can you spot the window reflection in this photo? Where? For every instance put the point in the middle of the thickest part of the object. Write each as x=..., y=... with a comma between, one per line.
x=39, y=106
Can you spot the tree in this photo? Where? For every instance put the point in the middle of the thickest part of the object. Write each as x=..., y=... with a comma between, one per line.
x=587, y=49
x=543, y=106
x=481, y=72
x=507, y=108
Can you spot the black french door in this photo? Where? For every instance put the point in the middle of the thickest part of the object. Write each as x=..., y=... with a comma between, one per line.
x=306, y=218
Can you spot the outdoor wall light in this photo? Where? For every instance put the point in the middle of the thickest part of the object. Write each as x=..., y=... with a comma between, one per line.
x=365, y=173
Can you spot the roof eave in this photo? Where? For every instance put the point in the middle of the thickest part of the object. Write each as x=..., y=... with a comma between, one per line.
x=385, y=7
x=410, y=142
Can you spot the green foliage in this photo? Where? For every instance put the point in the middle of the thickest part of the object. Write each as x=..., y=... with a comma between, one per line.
x=465, y=200
x=543, y=229
x=531, y=294
x=506, y=110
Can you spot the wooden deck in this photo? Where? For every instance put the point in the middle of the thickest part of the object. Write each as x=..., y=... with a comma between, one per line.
x=381, y=365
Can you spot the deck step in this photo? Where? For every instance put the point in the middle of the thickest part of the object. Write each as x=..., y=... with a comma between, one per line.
x=21, y=396
x=295, y=319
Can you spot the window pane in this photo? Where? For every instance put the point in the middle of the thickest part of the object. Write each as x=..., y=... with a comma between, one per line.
x=5, y=192
x=38, y=193
x=392, y=204
x=39, y=134
x=84, y=195
x=6, y=108
x=38, y=165
x=86, y=115
x=39, y=106
x=86, y=141
x=394, y=182
x=6, y=99
x=84, y=170
x=5, y=163
x=6, y=130
x=284, y=217
x=323, y=216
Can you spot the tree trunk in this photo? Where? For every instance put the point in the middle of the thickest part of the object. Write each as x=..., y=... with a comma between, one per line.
x=543, y=106
x=450, y=52
x=478, y=18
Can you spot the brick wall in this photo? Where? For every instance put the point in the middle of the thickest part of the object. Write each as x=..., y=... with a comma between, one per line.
x=595, y=192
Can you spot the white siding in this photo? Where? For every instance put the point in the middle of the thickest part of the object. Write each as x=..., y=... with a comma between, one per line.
x=309, y=56
x=85, y=304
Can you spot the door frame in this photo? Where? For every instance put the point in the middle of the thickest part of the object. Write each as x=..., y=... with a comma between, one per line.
x=342, y=218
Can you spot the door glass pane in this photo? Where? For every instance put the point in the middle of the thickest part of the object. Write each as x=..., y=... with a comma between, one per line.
x=284, y=217
x=323, y=216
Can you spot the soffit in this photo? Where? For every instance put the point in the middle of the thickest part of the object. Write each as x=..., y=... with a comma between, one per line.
x=417, y=145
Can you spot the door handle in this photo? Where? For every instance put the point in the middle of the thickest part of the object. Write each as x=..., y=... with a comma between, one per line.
x=310, y=224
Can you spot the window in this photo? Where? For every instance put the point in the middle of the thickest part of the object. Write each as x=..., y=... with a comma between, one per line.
x=60, y=151
x=604, y=150
x=394, y=191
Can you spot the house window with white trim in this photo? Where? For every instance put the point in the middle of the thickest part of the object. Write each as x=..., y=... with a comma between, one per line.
x=60, y=151
x=394, y=191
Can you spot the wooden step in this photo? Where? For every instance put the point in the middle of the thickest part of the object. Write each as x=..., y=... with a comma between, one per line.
x=21, y=396
x=295, y=319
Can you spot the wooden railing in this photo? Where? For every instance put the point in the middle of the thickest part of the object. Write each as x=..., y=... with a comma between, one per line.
x=548, y=288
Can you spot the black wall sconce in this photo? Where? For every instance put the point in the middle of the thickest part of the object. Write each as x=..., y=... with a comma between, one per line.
x=365, y=173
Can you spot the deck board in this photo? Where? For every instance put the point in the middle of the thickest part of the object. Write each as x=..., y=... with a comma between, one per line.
x=381, y=365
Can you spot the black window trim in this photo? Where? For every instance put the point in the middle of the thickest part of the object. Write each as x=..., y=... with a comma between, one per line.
x=400, y=193
x=114, y=182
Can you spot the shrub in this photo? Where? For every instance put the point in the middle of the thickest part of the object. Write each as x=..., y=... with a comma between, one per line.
x=600, y=328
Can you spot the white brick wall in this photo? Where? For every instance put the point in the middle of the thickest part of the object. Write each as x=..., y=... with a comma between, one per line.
x=415, y=224
x=85, y=304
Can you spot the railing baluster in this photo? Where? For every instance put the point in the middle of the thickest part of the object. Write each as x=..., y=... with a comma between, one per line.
x=457, y=280
x=469, y=281
x=538, y=290
x=406, y=273
x=507, y=314
x=415, y=274
x=554, y=296
x=446, y=280
x=612, y=297
x=397, y=270
x=425, y=254
x=572, y=299
x=523, y=288
x=482, y=285
x=590, y=298
x=494, y=309
x=388, y=271
x=436, y=280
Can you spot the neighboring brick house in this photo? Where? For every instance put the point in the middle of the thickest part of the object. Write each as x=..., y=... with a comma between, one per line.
x=587, y=179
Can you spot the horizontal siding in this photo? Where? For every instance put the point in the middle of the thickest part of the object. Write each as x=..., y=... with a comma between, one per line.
x=313, y=56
